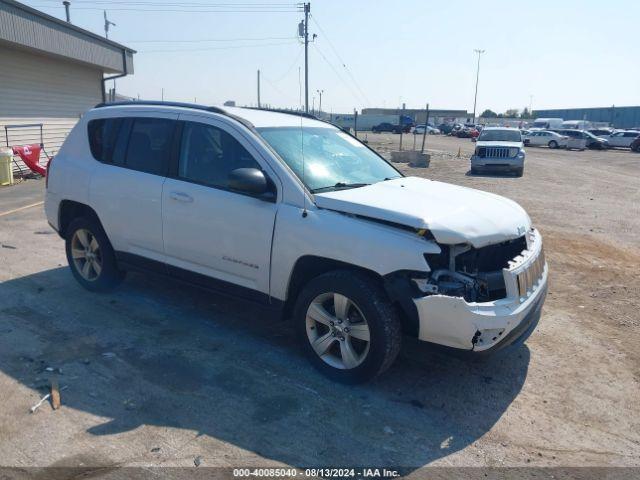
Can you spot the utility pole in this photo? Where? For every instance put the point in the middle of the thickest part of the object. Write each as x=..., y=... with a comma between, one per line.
x=107, y=23
x=320, y=92
x=66, y=10
x=475, y=98
x=258, y=88
x=307, y=9
x=303, y=31
x=426, y=127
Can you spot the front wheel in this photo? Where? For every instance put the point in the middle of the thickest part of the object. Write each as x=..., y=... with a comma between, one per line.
x=90, y=255
x=347, y=326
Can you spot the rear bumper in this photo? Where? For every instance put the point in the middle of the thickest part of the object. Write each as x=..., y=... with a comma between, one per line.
x=489, y=326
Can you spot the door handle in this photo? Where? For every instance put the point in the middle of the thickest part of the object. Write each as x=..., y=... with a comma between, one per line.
x=181, y=197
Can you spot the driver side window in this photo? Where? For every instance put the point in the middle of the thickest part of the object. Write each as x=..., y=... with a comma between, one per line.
x=209, y=154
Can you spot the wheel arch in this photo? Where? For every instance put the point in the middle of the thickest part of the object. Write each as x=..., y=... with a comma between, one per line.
x=70, y=210
x=309, y=267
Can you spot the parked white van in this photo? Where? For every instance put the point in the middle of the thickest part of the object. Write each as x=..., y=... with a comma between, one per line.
x=547, y=123
x=304, y=219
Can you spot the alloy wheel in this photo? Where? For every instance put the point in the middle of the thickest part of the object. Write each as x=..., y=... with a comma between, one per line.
x=338, y=331
x=86, y=254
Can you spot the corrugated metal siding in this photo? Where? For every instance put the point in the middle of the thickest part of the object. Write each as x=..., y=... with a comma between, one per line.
x=619, y=117
x=32, y=30
x=40, y=89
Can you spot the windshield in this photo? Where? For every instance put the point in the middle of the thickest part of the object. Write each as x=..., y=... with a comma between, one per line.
x=332, y=159
x=500, y=136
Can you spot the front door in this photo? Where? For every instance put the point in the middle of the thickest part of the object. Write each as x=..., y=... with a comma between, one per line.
x=222, y=235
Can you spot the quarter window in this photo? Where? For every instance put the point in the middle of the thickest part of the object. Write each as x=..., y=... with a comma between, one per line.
x=102, y=137
x=209, y=154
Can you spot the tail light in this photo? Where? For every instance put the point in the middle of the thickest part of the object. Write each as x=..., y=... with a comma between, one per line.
x=46, y=176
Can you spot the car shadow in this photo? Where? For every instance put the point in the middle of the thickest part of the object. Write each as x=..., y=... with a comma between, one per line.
x=158, y=353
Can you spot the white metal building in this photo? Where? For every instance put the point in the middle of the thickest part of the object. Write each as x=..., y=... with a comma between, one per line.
x=51, y=72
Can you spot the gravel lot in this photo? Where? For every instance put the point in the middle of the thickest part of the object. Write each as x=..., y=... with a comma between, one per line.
x=158, y=373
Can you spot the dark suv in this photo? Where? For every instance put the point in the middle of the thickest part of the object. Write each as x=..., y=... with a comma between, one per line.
x=390, y=127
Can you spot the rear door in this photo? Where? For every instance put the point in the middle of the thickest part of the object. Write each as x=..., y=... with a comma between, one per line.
x=209, y=230
x=617, y=139
x=126, y=189
x=629, y=137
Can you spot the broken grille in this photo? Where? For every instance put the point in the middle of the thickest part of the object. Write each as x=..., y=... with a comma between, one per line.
x=531, y=276
x=494, y=152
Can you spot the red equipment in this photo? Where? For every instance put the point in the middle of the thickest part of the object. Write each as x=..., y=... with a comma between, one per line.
x=30, y=155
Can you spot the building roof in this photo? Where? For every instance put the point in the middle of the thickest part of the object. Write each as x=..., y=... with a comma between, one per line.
x=24, y=27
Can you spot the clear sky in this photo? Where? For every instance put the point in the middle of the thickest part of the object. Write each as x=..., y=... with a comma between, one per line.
x=568, y=53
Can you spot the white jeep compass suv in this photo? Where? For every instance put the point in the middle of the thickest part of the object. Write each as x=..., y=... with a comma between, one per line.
x=295, y=214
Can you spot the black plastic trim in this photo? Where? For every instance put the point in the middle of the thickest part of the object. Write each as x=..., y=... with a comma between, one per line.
x=129, y=261
x=401, y=291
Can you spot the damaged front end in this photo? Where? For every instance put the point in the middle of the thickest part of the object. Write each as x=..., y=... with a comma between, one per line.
x=479, y=298
x=475, y=274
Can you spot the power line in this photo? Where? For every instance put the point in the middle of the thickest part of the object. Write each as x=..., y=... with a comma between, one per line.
x=346, y=84
x=335, y=50
x=295, y=62
x=167, y=10
x=233, y=47
x=203, y=40
x=180, y=4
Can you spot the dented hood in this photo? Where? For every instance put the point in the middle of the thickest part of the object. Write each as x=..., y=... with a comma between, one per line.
x=451, y=213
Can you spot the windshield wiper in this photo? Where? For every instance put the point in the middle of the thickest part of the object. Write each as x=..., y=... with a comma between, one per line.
x=339, y=186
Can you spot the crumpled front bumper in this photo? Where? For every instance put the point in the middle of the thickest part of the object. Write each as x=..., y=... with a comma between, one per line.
x=488, y=326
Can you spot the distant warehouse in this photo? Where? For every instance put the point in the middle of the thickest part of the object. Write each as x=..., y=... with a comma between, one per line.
x=618, y=117
x=51, y=72
x=420, y=114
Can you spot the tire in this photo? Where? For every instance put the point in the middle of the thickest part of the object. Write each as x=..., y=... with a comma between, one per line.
x=520, y=172
x=553, y=144
x=90, y=255
x=347, y=358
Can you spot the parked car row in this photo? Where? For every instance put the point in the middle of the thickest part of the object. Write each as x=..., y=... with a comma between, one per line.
x=391, y=128
x=596, y=139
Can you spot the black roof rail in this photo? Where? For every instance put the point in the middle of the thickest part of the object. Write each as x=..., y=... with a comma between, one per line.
x=160, y=103
x=288, y=112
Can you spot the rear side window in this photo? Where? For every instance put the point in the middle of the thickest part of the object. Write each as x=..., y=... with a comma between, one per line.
x=149, y=146
x=102, y=137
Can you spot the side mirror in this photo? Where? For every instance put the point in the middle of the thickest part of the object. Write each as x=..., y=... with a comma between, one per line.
x=248, y=180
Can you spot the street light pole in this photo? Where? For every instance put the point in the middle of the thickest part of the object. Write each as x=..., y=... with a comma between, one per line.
x=320, y=92
x=475, y=98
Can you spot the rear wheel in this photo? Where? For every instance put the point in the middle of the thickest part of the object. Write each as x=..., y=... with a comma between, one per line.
x=553, y=144
x=347, y=326
x=90, y=255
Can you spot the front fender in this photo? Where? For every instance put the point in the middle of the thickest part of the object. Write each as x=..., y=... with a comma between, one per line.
x=324, y=233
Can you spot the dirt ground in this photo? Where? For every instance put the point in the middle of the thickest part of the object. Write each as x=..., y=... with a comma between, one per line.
x=161, y=374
